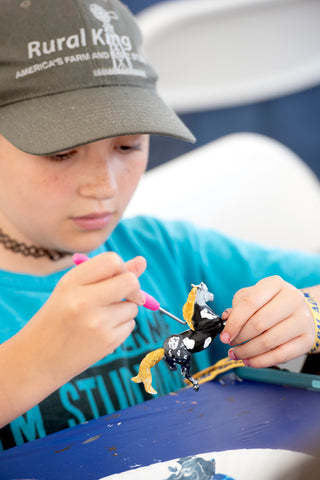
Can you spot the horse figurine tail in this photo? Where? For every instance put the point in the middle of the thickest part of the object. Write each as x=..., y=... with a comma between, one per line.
x=144, y=375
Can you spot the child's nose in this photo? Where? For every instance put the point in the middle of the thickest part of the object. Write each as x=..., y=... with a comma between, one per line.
x=100, y=178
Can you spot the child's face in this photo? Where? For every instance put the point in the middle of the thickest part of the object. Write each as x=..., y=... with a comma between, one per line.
x=72, y=200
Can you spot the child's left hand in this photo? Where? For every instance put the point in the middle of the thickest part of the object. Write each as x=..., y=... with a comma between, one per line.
x=274, y=321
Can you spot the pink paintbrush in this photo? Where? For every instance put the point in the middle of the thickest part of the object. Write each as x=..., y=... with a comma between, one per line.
x=151, y=303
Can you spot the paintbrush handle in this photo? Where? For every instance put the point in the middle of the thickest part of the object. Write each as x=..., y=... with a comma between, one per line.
x=151, y=303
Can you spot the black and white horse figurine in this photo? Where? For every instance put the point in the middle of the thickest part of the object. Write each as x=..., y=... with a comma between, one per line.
x=204, y=326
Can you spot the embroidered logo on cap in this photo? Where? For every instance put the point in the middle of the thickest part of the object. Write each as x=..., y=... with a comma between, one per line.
x=119, y=52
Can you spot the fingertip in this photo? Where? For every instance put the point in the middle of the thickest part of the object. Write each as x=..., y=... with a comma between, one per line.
x=133, y=324
x=225, y=315
x=137, y=265
x=225, y=337
x=142, y=262
x=142, y=259
x=142, y=299
x=232, y=355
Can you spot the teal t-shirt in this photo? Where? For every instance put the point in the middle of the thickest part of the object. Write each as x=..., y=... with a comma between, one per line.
x=178, y=255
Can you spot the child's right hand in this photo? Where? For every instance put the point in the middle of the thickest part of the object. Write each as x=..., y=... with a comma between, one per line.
x=88, y=315
x=91, y=311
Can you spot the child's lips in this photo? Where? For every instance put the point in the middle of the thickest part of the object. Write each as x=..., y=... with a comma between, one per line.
x=93, y=221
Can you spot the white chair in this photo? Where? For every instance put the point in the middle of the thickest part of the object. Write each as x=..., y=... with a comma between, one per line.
x=246, y=185
x=219, y=53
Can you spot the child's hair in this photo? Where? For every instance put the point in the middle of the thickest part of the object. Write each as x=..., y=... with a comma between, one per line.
x=72, y=73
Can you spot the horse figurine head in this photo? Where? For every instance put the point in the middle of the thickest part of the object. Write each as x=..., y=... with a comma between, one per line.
x=204, y=325
x=198, y=296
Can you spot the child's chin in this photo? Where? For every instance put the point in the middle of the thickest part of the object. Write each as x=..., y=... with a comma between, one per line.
x=93, y=241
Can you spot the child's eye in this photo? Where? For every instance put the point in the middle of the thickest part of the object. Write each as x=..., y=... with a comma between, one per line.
x=127, y=144
x=60, y=157
x=128, y=148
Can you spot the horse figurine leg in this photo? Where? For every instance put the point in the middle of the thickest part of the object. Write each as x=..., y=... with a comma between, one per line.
x=185, y=371
x=176, y=352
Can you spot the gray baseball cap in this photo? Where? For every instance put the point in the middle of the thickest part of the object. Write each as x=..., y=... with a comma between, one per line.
x=71, y=73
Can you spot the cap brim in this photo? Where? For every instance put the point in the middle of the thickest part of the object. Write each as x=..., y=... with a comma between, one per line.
x=58, y=122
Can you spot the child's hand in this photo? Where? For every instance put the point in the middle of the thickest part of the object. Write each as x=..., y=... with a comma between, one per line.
x=274, y=320
x=92, y=308
x=85, y=319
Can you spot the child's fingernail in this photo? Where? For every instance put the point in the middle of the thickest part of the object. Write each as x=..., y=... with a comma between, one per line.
x=225, y=337
x=246, y=362
x=226, y=314
x=232, y=355
x=142, y=300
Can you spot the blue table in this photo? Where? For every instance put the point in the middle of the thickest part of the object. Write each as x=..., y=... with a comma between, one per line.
x=219, y=417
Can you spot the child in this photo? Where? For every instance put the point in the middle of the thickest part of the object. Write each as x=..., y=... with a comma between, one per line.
x=77, y=103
